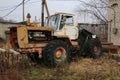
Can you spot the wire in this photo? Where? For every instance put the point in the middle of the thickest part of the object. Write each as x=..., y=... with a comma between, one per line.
x=16, y=6
x=11, y=11
x=8, y=8
x=14, y=9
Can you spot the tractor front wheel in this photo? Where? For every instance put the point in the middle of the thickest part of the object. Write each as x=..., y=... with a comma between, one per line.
x=55, y=53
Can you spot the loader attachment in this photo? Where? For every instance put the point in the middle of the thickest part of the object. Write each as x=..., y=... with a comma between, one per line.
x=83, y=36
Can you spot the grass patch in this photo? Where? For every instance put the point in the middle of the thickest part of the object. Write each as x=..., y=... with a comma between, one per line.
x=85, y=69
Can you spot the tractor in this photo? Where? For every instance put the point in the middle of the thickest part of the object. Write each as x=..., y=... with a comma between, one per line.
x=56, y=42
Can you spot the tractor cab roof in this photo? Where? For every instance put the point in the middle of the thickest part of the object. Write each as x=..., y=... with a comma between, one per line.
x=61, y=13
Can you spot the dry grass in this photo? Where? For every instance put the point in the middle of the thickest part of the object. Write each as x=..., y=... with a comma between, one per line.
x=90, y=69
x=5, y=45
x=85, y=69
x=12, y=75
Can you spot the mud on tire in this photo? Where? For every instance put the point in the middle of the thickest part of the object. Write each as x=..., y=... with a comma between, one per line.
x=56, y=53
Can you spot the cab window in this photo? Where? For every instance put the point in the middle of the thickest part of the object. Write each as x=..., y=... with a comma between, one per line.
x=52, y=22
x=66, y=20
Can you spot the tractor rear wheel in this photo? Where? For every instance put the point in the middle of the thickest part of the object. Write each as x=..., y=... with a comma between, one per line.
x=93, y=48
x=56, y=53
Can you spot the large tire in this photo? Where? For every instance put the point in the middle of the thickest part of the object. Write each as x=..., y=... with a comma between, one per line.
x=56, y=53
x=93, y=48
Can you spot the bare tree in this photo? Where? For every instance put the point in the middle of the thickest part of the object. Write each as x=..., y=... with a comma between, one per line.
x=97, y=9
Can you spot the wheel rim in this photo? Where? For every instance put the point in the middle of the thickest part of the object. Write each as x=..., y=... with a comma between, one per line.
x=60, y=54
x=96, y=50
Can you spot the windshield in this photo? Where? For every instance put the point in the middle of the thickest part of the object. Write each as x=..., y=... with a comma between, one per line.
x=52, y=22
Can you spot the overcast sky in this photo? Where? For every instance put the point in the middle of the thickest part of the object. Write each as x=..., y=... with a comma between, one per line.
x=34, y=8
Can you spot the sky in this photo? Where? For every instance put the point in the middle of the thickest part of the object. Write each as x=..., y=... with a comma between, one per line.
x=34, y=8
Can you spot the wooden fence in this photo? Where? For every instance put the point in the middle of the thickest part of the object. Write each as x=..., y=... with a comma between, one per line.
x=101, y=30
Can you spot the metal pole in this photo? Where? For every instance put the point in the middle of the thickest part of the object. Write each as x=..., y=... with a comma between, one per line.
x=114, y=16
x=42, y=13
x=23, y=10
x=114, y=23
x=47, y=9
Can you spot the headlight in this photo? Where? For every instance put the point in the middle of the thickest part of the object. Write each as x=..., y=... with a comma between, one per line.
x=93, y=36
